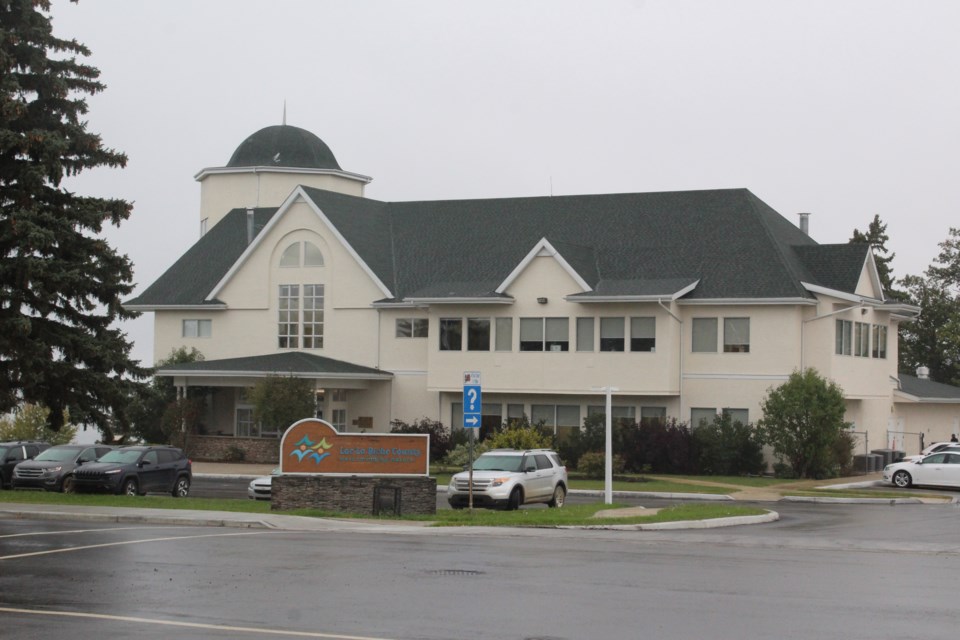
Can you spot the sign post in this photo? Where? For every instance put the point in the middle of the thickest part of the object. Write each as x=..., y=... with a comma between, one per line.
x=472, y=417
x=608, y=453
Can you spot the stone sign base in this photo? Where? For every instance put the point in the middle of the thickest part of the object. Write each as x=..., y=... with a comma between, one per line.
x=380, y=495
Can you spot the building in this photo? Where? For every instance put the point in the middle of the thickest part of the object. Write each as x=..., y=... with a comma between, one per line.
x=688, y=303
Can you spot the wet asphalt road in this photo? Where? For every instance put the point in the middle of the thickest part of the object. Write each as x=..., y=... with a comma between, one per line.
x=857, y=571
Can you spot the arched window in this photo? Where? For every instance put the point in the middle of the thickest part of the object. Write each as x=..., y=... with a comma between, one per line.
x=311, y=255
x=291, y=256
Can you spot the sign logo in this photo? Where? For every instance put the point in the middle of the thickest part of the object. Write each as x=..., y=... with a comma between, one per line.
x=315, y=447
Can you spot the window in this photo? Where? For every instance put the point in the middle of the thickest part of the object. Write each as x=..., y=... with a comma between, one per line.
x=451, y=334
x=616, y=412
x=844, y=337
x=245, y=425
x=412, y=327
x=288, y=331
x=861, y=339
x=558, y=334
x=313, y=316
x=643, y=334
x=543, y=414
x=515, y=412
x=311, y=255
x=738, y=415
x=736, y=335
x=611, y=334
x=700, y=417
x=584, y=334
x=203, y=226
x=504, y=337
x=704, y=335
x=338, y=395
x=293, y=324
x=879, y=341
x=456, y=414
x=561, y=419
x=478, y=334
x=197, y=328
x=653, y=414
x=338, y=418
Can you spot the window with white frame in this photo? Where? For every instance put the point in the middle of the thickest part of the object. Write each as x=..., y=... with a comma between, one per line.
x=585, y=334
x=197, y=328
x=451, y=334
x=617, y=412
x=653, y=414
x=301, y=254
x=515, y=412
x=643, y=334
x=300, y=317
x=844, y=338
x=338, y=418
x=861, y=339
x=544, y=334
x=700, y=416
x=412, y=327
x=504, y=334
x=704, y=335
x=879, y=341
x=736, y=335
x=246, y=427
x=611, y=334
x=478, y=334
x=738, y=415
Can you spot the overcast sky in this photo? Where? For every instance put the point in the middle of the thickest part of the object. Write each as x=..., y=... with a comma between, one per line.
x=842, y=109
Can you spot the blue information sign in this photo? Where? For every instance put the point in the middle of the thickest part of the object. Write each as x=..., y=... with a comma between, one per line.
x=472, y=400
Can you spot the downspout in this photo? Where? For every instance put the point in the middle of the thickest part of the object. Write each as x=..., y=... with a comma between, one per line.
x=826, y=315
x=679, y=359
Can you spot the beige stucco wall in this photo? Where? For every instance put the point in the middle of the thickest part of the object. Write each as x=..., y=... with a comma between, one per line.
x=937, y=422
x=221, y=192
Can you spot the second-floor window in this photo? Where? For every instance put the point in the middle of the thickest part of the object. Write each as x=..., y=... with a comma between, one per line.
x=197, y=328
x=544, y=334
x=412, y=327
x=643, y=334
x=451, y=334
x=736, y=335
x=300, y=319
x=879, y=341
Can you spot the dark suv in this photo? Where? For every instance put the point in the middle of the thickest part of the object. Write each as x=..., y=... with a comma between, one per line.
x=136, y=471
x=53, y=469
x=13, y=453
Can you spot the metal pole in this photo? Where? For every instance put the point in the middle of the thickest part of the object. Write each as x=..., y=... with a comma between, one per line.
x=608, y=470
x=470, y=474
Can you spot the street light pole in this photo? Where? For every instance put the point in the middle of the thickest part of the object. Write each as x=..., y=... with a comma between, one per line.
x=608, y=467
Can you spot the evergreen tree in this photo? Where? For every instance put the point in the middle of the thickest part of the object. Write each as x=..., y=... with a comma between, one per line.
x=876, y=236
x=61, y=284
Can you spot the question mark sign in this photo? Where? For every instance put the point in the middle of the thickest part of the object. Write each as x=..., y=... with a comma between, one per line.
x=472, y=394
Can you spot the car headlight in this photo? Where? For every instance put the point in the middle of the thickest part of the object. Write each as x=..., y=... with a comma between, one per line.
x=49, y=471
x=496, y=482
x=111, y=472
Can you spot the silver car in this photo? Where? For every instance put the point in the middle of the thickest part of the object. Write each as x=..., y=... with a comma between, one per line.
x=941, y=469
x=509, y=478
x=259, y=488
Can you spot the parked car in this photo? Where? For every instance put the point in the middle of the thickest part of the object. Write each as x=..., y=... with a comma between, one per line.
x=933, y=448
x=259, y=488
x=137, y=471
x=941, y=469
x=13, y=453
x=509, y=478
x=53, y=469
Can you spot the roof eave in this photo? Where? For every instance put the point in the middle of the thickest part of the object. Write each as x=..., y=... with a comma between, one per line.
x=458, y=300
x=209, y=171
x=213, y=306
x=747, y=301
x=210, y=373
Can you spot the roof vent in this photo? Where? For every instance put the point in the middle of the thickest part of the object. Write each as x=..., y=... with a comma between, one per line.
x=804, y=223
x=923, y=373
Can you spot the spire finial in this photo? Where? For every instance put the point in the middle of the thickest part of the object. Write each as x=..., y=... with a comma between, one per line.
x=284, y=112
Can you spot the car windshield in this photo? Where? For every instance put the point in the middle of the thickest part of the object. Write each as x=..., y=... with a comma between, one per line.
x=53, y=454
x=122, y=457
x=497, y=463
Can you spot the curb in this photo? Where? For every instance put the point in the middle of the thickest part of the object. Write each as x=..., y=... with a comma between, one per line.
x=137, y=519
x=715, y=523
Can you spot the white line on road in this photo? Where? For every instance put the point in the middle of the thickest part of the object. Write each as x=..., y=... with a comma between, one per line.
x=190, y=625
x=117, y=544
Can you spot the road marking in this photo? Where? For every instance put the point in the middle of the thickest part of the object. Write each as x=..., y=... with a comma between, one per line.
x=190, y=625
x=117, y=544
x=53, y=533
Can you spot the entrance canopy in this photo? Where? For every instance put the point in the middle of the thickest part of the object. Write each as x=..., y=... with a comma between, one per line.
x=294, y=363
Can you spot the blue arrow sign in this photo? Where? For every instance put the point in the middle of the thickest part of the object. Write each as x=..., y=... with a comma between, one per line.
x=472, y=400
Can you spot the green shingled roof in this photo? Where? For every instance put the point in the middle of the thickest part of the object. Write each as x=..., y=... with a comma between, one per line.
x=287, y=363
x=925, y=388
x=284, y=146
x=729, y=241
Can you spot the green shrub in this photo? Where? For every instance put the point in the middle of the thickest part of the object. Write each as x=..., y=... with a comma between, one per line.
x=460, y=454
x=235, y=453
x=728, y=448
x=29, y=422
x=593, y=464
x=439, y=436
x=520, y=434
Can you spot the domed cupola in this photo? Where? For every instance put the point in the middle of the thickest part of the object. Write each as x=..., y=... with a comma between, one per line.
x=284, y=146
x=267, y=167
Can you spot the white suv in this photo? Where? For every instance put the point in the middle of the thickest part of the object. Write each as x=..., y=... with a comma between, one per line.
x=509, y=478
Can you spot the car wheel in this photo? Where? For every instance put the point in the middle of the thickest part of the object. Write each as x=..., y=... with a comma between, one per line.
x=130, y=487
x=902, y=479
x=559, y=495
x=182, y=488
x=515, y=500
x=67, y=486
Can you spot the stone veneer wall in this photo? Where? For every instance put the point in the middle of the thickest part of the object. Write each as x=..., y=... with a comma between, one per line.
x=223, y=448
x=355, y=494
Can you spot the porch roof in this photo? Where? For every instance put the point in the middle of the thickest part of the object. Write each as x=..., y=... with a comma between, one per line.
x=926, y=390
x=293, y=363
